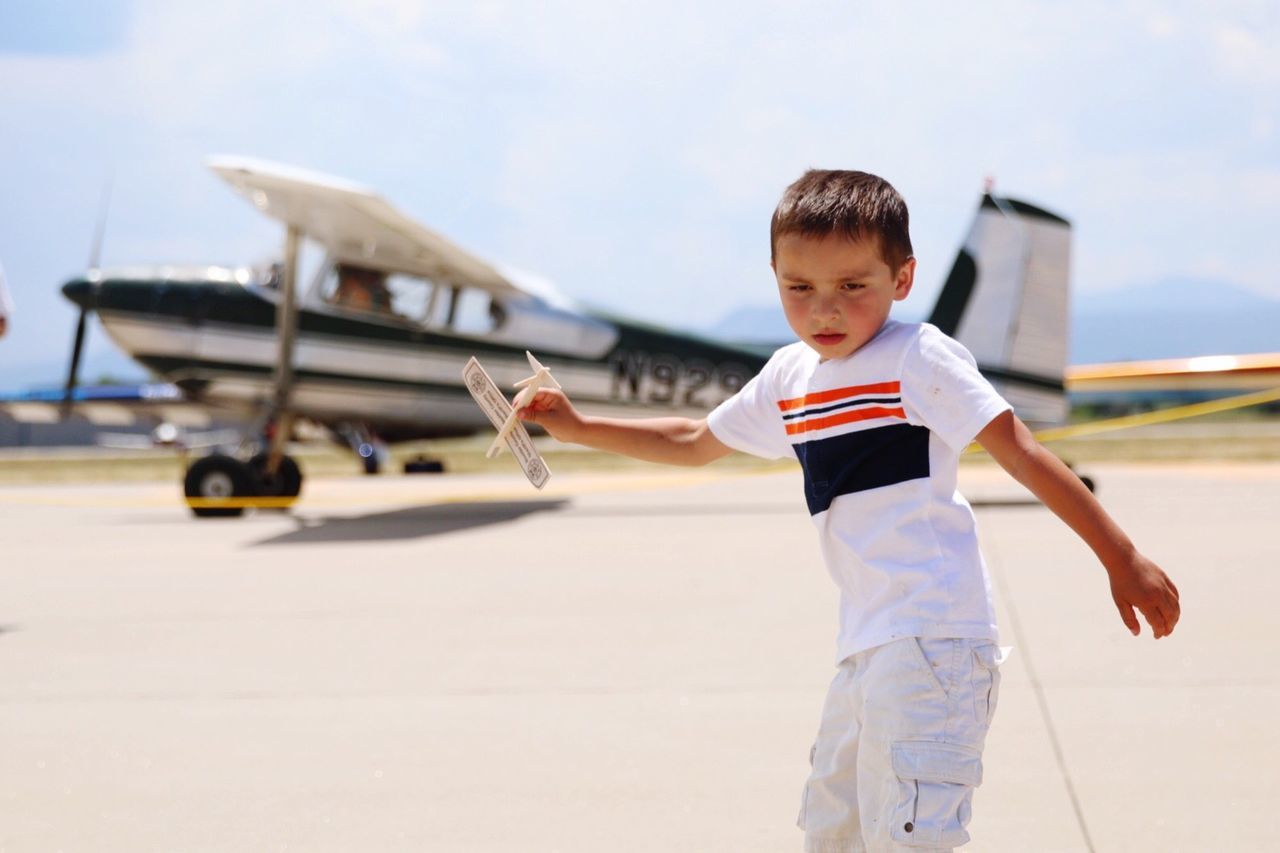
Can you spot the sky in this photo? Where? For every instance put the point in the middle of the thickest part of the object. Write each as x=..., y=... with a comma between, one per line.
x=633, y=153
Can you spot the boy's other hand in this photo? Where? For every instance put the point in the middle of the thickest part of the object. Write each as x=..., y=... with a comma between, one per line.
x=1142, y=584
x=552, y=411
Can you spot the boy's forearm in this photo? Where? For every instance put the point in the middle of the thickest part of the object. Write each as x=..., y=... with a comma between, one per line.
x=672, y=441
x=1059, y=489
x=1136, y=582
x=1011, y=444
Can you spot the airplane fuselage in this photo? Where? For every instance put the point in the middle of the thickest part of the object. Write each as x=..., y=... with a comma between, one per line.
x=215, y=338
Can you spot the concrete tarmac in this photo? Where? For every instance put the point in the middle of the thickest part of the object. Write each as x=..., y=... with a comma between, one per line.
x=621, y=663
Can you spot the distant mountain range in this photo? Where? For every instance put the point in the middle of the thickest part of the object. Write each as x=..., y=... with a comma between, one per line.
x=1164, y=319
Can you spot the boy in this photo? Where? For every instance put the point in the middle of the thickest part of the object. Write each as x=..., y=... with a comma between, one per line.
x=878, y=412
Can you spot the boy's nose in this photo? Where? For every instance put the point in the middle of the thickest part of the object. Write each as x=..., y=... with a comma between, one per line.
x=825, y=307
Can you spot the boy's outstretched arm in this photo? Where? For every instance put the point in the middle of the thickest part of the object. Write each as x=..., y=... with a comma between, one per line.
x=674, y=441
x=1135, y=580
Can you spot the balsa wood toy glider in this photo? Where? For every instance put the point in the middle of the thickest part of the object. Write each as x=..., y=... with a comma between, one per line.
x=503, y=415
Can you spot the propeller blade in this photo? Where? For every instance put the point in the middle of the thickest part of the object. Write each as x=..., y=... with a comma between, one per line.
x=95, y=250
x=74, y=371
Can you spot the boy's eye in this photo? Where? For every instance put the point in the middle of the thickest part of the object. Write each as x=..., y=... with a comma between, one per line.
x=798, y=288
x=853, y=285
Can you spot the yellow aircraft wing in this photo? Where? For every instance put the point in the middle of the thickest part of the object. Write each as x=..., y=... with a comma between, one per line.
x=1210, y=372
x=1257, y=375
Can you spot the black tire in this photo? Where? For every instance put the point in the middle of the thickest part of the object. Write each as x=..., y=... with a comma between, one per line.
x=422, y=465
x=219, y=476
x=287, y=483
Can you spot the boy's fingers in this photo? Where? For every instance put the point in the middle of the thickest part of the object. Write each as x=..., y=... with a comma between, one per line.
x=1158, y=621
x=1154, y=617
x=1130, y=620
x=1169, y=608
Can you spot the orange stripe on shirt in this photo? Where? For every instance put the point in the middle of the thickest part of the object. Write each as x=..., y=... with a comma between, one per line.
x=838, y=393
x=844, y=418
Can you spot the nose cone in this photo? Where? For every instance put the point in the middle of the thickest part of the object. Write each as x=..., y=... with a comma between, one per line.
x=82, y=291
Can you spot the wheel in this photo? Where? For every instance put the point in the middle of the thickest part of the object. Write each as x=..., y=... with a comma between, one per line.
x=1088, y=481
x=369, y=457
x=287, y=483
x=423, y=465
x=219, y=476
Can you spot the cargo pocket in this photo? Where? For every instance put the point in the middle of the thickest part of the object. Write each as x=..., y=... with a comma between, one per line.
x=935, y=792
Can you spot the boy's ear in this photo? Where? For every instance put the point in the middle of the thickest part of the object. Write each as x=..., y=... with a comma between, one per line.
x=905, y=278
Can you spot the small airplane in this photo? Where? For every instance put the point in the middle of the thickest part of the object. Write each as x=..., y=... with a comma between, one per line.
x=373, y=346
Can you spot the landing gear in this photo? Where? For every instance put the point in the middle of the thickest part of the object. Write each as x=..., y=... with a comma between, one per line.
x=371, y=450
x=217, y=477
x=422, y=465
x=287, y=482
x=1088, y=481
x=370, y=459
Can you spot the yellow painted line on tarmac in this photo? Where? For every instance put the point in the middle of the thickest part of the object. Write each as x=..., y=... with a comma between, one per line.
x=1160, y=416
x=241, y=503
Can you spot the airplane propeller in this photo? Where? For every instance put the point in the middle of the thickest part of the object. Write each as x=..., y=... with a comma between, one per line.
x=82, y=293
x=76, y=350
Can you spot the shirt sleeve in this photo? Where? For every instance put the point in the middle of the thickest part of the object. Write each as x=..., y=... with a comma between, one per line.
x=943, y=390
x=750, y=421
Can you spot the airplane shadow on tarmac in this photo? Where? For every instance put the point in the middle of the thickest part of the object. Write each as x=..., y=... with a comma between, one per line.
x=411, y=523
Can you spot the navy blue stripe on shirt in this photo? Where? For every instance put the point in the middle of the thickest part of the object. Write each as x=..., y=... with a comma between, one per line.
x=862, y=460
x=881, y=401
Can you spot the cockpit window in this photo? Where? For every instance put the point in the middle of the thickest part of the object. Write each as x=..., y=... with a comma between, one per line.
x=476, y=312
x=411, y=299
x=358, y=289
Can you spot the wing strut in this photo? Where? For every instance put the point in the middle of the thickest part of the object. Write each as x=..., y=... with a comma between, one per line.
x=286, y=330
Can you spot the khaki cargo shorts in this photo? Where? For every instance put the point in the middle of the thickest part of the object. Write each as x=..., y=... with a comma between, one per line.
x=899, y=750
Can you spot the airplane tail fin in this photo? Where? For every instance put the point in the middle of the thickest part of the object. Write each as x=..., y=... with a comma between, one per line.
x=1007, y=300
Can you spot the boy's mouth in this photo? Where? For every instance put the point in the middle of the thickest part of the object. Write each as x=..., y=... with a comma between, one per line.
x=829, y=338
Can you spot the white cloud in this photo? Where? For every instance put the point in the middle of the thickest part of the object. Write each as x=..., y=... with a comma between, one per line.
x=1245, y=55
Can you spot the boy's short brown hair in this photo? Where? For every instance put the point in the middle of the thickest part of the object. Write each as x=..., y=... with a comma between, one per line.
x=857, y=204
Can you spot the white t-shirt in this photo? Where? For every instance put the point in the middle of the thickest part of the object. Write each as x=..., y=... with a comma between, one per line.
x=878, y=434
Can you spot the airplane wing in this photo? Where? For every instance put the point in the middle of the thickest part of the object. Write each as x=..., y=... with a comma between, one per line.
x=1208, y=373
x=356, y=224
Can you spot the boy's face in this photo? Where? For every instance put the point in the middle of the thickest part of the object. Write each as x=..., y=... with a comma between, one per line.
x=836, y=292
